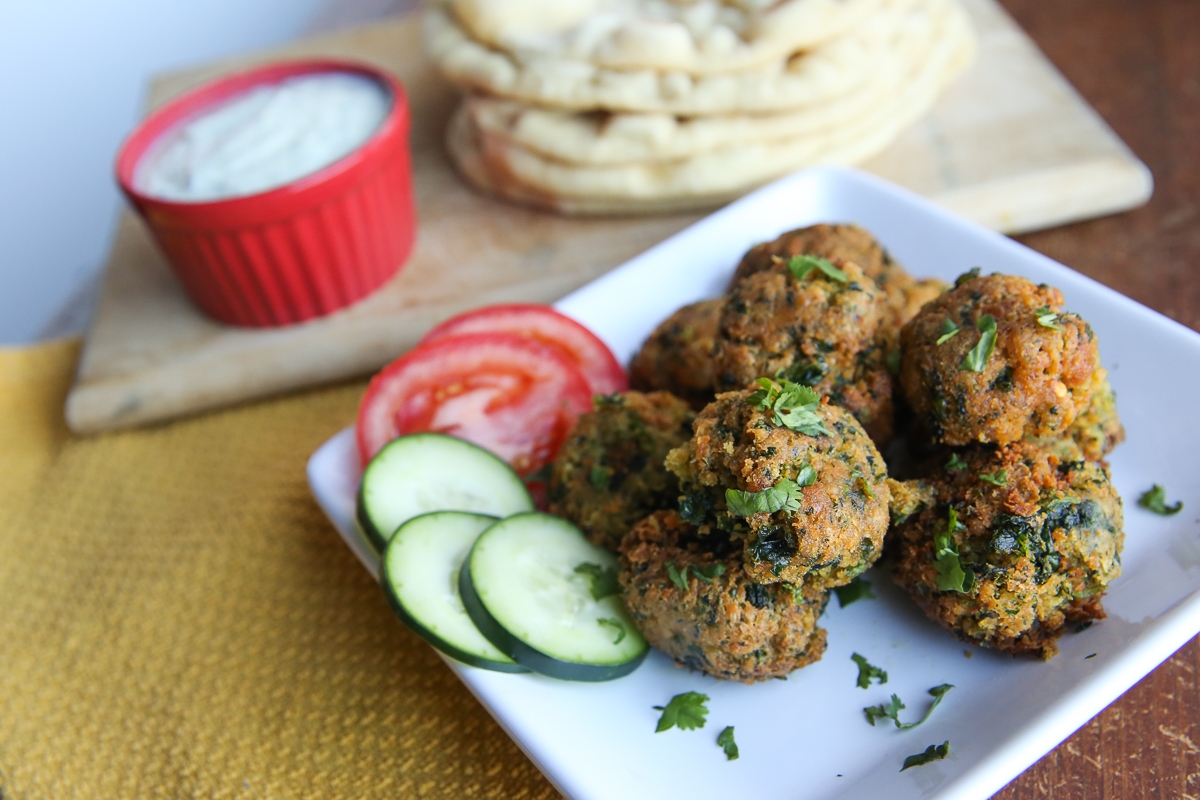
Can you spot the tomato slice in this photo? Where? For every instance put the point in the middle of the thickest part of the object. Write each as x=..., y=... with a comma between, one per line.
x=543, y=323
x=516, y=397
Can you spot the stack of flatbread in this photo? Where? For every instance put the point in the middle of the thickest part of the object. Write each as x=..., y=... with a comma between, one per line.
x=622, y=106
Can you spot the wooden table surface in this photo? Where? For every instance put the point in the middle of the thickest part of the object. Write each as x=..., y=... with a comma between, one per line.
x=1138, y=63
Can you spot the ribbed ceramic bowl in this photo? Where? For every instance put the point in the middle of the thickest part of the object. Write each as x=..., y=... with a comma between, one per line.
x=299, y=251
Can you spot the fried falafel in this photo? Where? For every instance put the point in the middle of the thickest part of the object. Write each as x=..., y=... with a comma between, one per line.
x=691, y=598
x=1014, y=546
x=609, y=473
x=678, y=356
x=996, y=359
x=821, y=330
x=808, y=505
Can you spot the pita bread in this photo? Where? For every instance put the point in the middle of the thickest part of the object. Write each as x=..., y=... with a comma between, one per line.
x=699, y=37
x=707, y=179
x=788, y=82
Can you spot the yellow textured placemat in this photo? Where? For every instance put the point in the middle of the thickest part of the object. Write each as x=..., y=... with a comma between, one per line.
x=177, y=619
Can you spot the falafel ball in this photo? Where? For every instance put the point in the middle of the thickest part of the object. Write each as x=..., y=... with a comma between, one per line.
x=609, y=473
x=678, y=356
x=1018, y=545
x=723, y=623
x=820, y=331
x=903, y=296
x=1034, y=379
x=807, y=508
x=1098, y=429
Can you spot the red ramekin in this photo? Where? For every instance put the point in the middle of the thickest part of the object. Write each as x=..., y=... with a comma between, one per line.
x=301, y=250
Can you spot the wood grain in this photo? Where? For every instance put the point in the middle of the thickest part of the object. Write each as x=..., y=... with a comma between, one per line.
x=1138, y=63
x=1010, y=145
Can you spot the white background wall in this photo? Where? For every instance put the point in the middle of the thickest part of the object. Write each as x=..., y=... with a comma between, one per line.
x=73, y=75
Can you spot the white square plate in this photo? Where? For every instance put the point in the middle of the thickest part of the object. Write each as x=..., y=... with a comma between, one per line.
x=807, y=737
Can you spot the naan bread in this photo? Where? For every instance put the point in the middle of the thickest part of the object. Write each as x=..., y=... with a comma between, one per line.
x=787, y=82
x=699, y=37
x=505, y=167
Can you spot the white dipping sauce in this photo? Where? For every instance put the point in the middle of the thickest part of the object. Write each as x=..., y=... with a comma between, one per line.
x=264, y=138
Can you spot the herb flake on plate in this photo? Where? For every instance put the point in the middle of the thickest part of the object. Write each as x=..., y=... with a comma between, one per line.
x=615, y=626
x=895, y=706
x=868, y=672
x=726, y=742
x=1155, y=499
x=931, y=754
x=955, y=464
x=684, y=711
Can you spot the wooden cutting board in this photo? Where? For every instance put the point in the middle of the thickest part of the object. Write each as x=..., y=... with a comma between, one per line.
x=1010, y=145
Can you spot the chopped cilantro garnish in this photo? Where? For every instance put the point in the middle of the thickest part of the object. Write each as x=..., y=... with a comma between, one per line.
x=955, y=463
x=895, y=706
x=976, y=359
x=1047, y=318
x=679, y=577
x=857, y=589
x=892, y=361
x=949, y=331
x=863, y=483
x=866, y=673
x=791, y=406
x=726, y=742
x=932, y=753
x=603, y=580
x=970, y=274
x=616, y=627
x=999, y=478
x=685, y=711
x=951, y=576
x=800, y=266
x=783, y=496
x=599, y=476
x=1156, y=500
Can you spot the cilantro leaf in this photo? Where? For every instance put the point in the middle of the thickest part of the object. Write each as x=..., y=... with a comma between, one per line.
x=999, y=478
x=857, y=589
x=949, y=331
x=868, y=672
x=678, y=578
x=783, y=496
x=1047, y=318
x=707, y=574
x=895, y=706
x=1156, y=500
x=890, y=711
x=615, y=625
x=599, y=476
x=932, y=753
x=800, y=266
x=726, y=742
x=955, y=463
x=603, y=580
x=969, y=275
x=951, y=576
x=685, y=711
x=791, y=406
x=976, y=359
x=892, y=361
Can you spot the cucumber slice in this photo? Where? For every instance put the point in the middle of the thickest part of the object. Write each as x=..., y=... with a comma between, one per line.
x=424, y=472
x=524, y=590
x=420, y=578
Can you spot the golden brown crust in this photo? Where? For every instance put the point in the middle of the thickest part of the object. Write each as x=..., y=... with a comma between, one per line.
x=678, y=355
x=817, y=331
x=1042, y=548
x=609, y=473
x=836, y=532
x=728, y=626
x=1036, y=382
